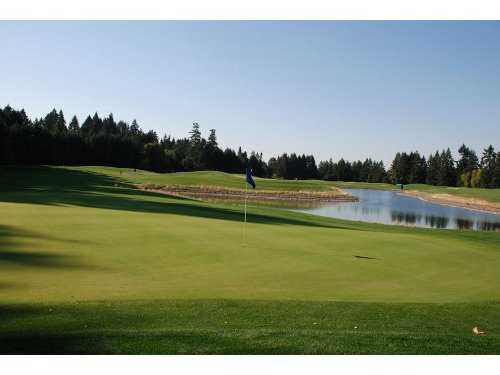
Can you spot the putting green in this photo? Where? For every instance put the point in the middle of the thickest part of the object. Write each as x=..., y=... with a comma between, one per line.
x=74, y=236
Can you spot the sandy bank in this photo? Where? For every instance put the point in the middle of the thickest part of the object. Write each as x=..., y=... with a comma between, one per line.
x=456, y=201
x=219, y=193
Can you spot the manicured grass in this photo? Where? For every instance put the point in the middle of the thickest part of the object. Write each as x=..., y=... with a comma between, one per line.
x=248, y=327
x=236, y=181
x=206, y=178
x=363, y=185
x=88, y=264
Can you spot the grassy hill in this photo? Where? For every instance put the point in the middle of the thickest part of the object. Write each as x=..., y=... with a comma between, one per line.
x=236, y=181
x=205, y=178
x=90, y=265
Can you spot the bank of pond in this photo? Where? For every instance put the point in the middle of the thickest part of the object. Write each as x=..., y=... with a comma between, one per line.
x=396, y=208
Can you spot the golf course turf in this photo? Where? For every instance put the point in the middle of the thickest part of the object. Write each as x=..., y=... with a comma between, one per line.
x=88, y=264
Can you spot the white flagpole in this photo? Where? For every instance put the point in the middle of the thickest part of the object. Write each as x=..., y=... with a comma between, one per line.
x=245, y=224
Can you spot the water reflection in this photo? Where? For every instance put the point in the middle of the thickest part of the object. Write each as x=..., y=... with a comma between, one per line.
x=405, y=218
x=489, y=226
x=388, y=207
x=439, y=222
x=465, y=224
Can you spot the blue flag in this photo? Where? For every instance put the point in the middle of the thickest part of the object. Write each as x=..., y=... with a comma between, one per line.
x=249, y=178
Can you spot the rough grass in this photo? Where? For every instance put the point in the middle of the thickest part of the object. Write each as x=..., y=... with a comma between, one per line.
x=223, y=194
x=88, y=264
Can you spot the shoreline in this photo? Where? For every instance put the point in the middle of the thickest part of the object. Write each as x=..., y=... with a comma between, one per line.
x=444, y=199
x=226, y=194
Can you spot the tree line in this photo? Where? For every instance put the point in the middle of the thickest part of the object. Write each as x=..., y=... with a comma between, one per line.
x=104, y=141
x=441, y=169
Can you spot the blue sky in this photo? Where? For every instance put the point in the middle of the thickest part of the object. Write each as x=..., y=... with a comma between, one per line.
x=333, y=89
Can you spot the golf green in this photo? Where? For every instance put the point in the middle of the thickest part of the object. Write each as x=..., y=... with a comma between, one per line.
x=90, y=265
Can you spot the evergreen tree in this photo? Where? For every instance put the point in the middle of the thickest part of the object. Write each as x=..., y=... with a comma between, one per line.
x=195, y=134
x=311, y=170
x=488, y=161
x=273, y=167
x=433, y=168
x=467, y=163
x=418, y=168
x=447, y=172
x=396, y=169
x=109, y=125
x=496, y=172
x=212, y=139
x=134, y=128
x=122, y=128
x=243, y=159
x=87, y=126
x=51, y=121
x=97, y=122
x=61, y=123
x=74, y=126
x=325, y=170
x=105, y=142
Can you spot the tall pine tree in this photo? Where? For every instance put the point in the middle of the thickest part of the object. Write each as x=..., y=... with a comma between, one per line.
x=488, y=161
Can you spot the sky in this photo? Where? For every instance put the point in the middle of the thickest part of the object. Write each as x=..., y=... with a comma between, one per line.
x=331, y=89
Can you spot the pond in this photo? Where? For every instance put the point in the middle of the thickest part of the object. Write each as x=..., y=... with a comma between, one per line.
x=391, y=207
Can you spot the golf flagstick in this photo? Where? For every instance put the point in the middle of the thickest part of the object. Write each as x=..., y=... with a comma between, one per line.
x=245, y=223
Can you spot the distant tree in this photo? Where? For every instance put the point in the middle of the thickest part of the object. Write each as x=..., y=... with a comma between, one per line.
x=195, y=134
x=122, y=128
x=243, y=159
x=343, y=171
x=311, y=170
x=447, y=172
x=135, y=128
x=418, y=168
x=150, y=137
x=97, y=122
x=51, y=121
x=408, y=168
x=87, y=126
x=476, y=177
x=61, y=123
x=396, y=171
x=104, y=142
x=74, y=126
x=273, y=167
x=109, y=125
x=154, y=157
x=467, y=163
x=257, y=165
x=212, y=139
x=325, y=170
x=488, y=161
x=433, y=169
x=496, y=172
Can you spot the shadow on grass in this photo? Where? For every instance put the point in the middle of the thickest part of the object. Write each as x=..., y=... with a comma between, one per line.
x=8, y=285
x=14, y=253
x=247, y=327
x=58, y=186
x=38, y=259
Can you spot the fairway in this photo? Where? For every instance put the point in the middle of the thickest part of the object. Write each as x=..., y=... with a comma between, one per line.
x=125, y=270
